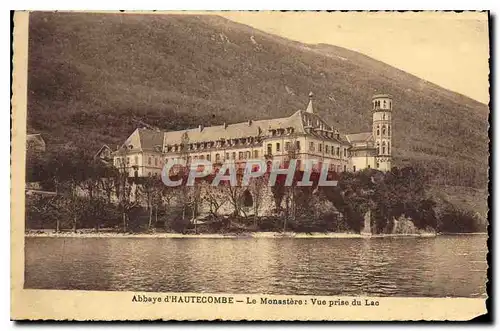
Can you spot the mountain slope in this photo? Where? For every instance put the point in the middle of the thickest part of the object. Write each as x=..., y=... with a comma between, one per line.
x=94, y=77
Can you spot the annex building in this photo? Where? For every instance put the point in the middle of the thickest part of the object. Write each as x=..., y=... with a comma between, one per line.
x=303, y=135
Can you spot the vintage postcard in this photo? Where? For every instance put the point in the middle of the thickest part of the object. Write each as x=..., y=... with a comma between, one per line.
x=286, y=166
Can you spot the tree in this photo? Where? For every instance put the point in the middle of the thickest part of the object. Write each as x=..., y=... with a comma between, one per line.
x=353, y=196
x=150, y=190
x=257, y=187
x=124, y=187
x=215, y=197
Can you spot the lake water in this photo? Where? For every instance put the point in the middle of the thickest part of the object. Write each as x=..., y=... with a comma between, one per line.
x=429, y=267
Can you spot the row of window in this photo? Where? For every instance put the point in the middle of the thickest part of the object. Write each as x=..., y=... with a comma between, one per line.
x=377, y=104
x=247, y=154
x=228, y=156
x=384, y=131
x=289, y=147
x=279, y=132
x=382, y=149
x=328, y=150
x=119, y=161
x=212, y=144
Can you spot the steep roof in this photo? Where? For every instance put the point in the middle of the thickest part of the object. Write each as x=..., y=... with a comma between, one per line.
x=359, y=137
x=35, y=137
x=150, y=138
x=302, y=122
x=142, y=139
x=237, y=130
x=104, y=147
x=35, y=142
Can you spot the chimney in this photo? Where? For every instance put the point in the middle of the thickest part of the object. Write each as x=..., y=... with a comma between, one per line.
x=249, y=122
x=200, y=127
x=225, y=125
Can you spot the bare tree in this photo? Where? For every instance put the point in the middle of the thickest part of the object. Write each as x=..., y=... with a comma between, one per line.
x=124, y=186
x=214, y=196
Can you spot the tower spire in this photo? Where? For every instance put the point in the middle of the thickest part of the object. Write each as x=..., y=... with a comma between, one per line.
x=310, y=105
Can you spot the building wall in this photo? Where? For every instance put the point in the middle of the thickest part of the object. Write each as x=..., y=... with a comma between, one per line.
x=362, y=162
x=140, y=161
x=276, y=148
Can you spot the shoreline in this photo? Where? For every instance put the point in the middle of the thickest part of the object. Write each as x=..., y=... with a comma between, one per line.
x=248, y=235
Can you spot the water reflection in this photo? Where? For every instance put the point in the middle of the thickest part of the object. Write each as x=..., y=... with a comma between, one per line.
x=443, y=266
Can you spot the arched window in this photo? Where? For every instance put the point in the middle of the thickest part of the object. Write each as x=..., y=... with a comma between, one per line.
x=388, y=148
x=383, y=116
x=383, y=130
x=388, y=130
x=136, y=159
x=217, y=157
x=378, y=130
x=378, y=147
x=383, y=147
x=385, y=103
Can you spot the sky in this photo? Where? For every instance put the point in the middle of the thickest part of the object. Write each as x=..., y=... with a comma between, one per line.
x=448, y=49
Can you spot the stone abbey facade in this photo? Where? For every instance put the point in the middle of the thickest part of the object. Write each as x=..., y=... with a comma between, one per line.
x=303, y=135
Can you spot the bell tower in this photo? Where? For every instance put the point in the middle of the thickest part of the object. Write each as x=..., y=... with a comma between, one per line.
x=382, y=130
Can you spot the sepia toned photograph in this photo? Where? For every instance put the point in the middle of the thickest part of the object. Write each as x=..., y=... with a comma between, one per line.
x=233, y=160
